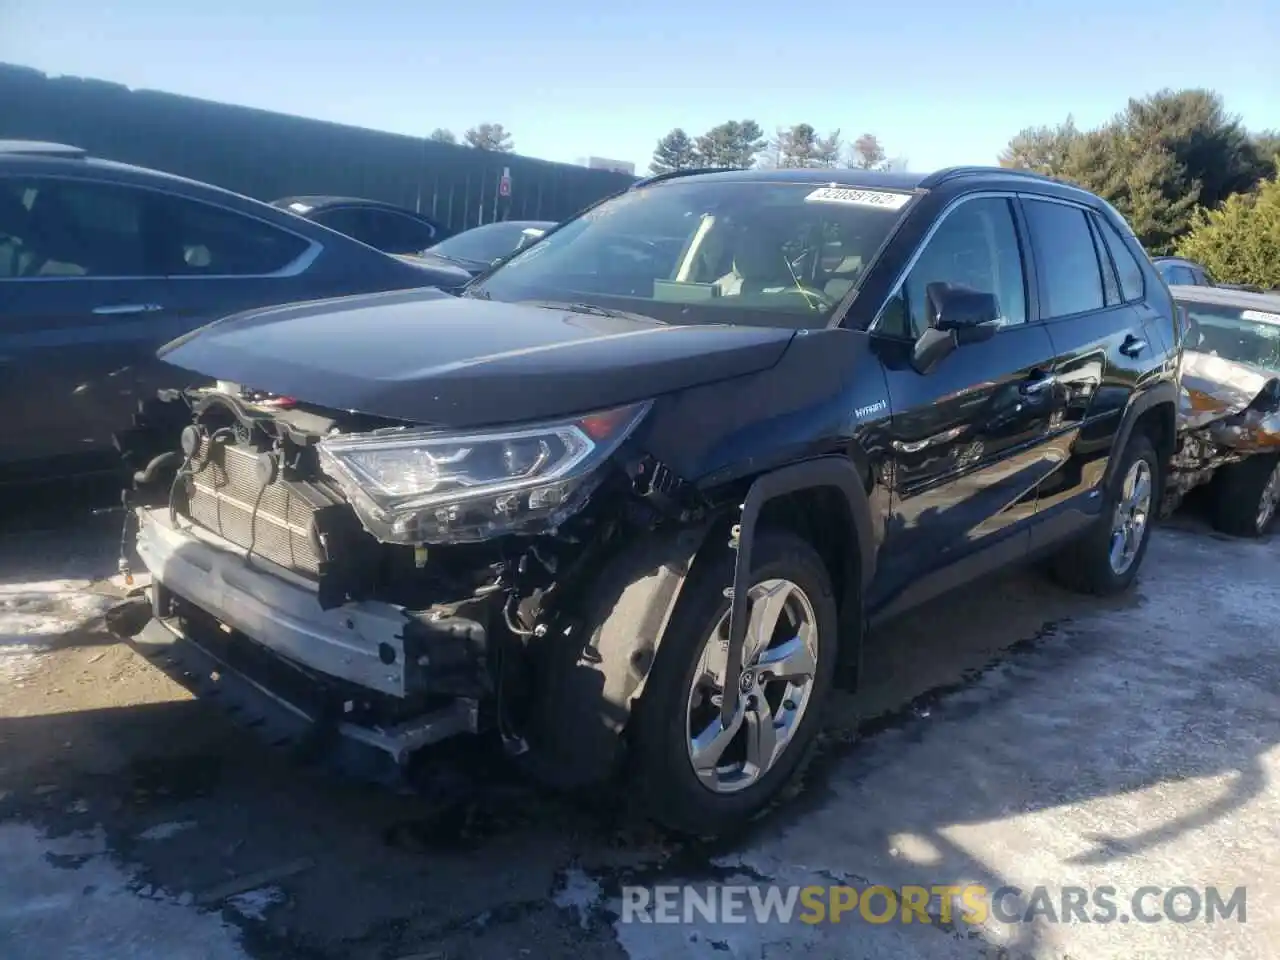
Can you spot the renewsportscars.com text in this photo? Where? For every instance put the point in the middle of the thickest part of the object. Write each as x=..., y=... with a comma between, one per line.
x=940, y=904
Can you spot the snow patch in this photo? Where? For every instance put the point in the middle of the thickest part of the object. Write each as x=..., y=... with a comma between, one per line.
x=91, y=910
x=254, y=904
x=32, y=615
x=579, y=893
x=163, y=831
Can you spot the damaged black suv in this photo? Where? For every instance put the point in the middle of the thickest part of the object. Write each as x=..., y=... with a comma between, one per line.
x=632, y=500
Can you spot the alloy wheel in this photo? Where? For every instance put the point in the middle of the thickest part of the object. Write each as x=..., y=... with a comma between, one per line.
x=1132, y=514
x=780, y=661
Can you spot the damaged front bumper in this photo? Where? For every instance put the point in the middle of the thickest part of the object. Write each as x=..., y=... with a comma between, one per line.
x=258, y=630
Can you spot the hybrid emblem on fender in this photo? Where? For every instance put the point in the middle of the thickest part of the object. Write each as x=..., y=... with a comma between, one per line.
x=863, y=412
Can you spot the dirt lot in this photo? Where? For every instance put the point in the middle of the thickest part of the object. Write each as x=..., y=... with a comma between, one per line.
x=1127, y=744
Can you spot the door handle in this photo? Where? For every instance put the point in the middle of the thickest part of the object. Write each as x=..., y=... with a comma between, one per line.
x=1133, y=345
x=126, y=309
x=1035, y=385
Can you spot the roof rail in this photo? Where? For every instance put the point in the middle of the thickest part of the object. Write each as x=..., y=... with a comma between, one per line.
x=36, y=148
x=951, y=173
x=686, y=172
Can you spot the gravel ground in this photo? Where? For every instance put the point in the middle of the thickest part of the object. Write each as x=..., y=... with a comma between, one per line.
x=1031, y=737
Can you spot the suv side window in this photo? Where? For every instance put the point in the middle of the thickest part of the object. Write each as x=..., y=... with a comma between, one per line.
x=975, y=245
x=198, y=239
x=71, y=228
x=1071, y=282
x=1131, y=282
x=1110, y=283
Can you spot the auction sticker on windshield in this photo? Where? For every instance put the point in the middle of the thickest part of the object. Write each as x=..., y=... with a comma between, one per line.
x=1260, y=316
x=884, y=199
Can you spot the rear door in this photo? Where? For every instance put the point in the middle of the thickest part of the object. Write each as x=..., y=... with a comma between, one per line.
x=1101, y=349
x=967, y=438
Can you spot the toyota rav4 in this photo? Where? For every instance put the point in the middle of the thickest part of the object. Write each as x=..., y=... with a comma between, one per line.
x=631, y=502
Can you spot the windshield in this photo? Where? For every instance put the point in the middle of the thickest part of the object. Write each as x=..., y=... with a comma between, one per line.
x=482, y=244
x=1234, y=333
x=710, y=251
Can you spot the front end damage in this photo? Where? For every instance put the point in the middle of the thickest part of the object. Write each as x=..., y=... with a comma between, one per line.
x=377, y=583
x=1228, y=413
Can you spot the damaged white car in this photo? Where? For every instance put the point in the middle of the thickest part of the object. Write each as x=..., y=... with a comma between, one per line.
x=1229, y=409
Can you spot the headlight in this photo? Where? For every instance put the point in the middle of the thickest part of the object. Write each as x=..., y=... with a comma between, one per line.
x=428, y=486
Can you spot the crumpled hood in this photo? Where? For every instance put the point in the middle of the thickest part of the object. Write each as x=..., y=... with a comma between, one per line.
x=1216, y=396
x=428, y=357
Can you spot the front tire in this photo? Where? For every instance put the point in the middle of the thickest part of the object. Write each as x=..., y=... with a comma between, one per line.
x=694, y=775
x=1246, y=496
x=1106, y=559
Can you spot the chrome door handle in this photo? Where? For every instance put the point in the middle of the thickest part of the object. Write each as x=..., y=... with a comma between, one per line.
x=126, y=309
x=1040, y=384
x=1132, y=346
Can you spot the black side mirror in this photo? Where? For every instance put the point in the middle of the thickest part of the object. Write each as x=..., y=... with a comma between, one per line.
x=970, y=314
x=958, y=315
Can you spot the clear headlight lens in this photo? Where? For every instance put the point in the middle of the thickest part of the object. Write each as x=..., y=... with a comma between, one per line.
x=424, y=486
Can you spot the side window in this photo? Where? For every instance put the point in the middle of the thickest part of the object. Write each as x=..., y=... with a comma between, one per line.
x=1110, y=283
x=397, y=233
x=1071, y=281
x=71, y=228
x=975, y=246
x=1131, y=282
x=198, y=239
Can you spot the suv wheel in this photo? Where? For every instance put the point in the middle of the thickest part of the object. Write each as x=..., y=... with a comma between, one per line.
x=1106, y=559
x=696, y=774
x=1246, y=495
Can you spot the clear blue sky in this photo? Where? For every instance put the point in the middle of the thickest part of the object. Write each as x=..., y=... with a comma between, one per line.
x=937, y=82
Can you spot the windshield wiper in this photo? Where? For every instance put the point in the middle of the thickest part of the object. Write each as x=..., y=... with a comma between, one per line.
x=590, y=310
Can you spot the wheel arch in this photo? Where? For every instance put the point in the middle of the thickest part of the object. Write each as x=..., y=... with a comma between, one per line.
x=1154, y=412
x=600, y=673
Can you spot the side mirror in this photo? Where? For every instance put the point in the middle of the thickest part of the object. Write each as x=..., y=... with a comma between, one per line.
x=958, y=315
x=970, y=314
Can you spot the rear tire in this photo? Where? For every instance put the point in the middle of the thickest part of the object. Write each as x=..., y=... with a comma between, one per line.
x=1089, y=564
x=677, y=704
x=1245, y=496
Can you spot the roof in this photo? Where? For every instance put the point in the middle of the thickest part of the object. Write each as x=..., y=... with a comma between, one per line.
x=318, y=202
x=1226, y=297
x=895, y=180
x=39, y=148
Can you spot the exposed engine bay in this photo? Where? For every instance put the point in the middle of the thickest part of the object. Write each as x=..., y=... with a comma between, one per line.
x=284, y=540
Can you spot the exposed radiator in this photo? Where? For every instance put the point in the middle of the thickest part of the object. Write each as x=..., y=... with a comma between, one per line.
x=223, y=492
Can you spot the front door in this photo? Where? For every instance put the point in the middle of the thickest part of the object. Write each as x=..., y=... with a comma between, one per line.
x=968, y=438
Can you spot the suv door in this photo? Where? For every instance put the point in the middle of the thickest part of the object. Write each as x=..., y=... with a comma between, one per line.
x=968, y=438
x=1101, y=350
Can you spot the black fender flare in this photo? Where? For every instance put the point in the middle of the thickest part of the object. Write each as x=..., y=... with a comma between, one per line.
x=829, y=471
x=1161, y=393
x=595, y=678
